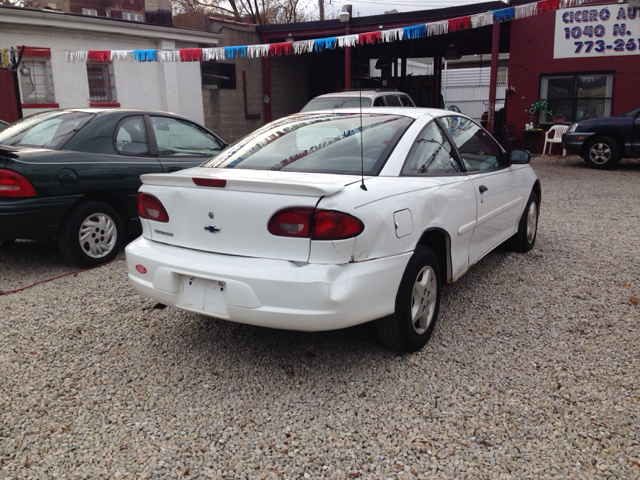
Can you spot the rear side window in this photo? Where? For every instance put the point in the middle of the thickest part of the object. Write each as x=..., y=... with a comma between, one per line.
x=406, y=101
x=393, y=101
x=379, y=102
x=431, y=154
x=131, y=137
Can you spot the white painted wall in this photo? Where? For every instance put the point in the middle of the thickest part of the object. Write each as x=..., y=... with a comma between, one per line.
x=174, y=87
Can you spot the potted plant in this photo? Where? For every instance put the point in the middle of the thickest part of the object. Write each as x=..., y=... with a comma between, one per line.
x=537, y=109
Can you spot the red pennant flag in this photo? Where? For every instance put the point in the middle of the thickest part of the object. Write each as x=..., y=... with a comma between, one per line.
x=369, y=38
x=99, y=55
x=548, y=6
x=284, y=48
x=190, y=54
x=461, y=23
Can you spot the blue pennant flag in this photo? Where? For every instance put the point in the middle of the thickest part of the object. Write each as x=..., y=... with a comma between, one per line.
x=145, y=55
x=233, y=52
x=325, y=43
x=504, y=15
x=416, y=31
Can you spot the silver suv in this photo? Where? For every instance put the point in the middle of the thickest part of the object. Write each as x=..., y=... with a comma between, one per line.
x=376, y=97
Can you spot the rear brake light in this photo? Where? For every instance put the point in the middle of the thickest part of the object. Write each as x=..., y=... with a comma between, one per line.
x=331, y=225
x=210, y=182
x=292, y=222
x=305, y=222
x=149, y=207
x=12, y=184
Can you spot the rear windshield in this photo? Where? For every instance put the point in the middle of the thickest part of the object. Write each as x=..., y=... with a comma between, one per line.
x=347, y=143
x=328, y=103
x=44, y=130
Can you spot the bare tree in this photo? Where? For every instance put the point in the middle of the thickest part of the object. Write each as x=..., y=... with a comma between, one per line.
x=258, y=12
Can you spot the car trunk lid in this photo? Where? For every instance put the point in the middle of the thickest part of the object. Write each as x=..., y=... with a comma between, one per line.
x=233, y=219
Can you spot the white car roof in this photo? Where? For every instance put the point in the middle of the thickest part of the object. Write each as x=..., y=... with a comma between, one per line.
x=413, y=112
x=358, y=93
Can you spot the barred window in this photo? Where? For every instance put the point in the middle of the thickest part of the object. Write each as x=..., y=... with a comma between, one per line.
x=102, y=82
x=36, y=81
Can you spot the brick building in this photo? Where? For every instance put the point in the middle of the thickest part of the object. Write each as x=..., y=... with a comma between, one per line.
x=585, y=61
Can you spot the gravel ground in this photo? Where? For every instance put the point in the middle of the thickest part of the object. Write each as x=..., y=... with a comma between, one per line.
x=533, y=370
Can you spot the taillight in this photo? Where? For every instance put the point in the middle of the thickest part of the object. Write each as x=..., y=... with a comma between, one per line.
x=291, y=222
x=12, y=184
x=149, y=207
x=331, y=225
x=305, y=222
x=210, y=182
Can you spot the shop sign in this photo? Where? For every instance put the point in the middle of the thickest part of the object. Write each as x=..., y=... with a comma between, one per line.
x=597, y=31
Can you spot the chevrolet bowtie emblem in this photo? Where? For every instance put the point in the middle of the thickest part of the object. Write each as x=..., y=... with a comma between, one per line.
x=212, y=228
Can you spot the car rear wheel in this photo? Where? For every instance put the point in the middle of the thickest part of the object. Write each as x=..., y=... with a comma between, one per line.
x=602, y=153
x=525, y=237
x=417, y=305
x=92, y=234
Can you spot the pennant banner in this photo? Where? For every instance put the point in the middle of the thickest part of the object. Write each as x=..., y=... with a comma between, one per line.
x=430, y=29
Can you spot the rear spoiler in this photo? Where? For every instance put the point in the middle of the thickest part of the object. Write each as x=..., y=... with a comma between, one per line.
x=280, y=185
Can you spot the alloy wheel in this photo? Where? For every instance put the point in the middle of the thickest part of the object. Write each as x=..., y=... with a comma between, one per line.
x=423, y=300
x=600, y=153
x=532, y=221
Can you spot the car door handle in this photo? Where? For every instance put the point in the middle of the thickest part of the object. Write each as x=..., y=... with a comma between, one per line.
x=482, y=188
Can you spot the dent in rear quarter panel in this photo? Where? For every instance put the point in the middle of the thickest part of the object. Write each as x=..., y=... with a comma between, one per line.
x=444, y=203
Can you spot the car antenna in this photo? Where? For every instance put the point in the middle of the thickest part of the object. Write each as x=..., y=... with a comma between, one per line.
x=362, y=185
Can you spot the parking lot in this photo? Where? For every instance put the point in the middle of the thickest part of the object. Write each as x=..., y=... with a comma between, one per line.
x=533, y=370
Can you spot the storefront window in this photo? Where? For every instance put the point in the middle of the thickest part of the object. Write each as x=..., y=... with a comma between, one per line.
x=577, y=97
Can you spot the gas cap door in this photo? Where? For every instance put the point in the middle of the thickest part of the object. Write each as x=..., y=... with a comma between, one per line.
x=68, y=178
x=403, y=222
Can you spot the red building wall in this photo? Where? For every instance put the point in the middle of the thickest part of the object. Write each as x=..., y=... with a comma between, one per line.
x=531, y=55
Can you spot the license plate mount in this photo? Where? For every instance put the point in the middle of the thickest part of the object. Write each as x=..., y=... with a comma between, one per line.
x=208, y=296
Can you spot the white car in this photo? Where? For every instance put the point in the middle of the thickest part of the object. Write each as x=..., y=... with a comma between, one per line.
x=367, y=97
x=324, y=220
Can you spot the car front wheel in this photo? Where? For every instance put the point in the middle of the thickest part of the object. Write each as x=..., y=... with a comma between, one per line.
x=92, y=234
x=525, y=238
x=417, y=305
x=602, y=153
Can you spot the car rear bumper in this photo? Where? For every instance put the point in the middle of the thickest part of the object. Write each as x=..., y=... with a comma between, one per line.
x=32, y=218
x=573, y=142
x=265, y=292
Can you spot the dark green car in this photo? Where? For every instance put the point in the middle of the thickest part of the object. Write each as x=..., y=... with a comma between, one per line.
x=74, y=174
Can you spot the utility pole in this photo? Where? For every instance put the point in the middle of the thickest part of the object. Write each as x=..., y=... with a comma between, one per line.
x=321, y=7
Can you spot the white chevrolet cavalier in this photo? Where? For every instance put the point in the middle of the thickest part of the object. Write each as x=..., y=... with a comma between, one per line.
x=324, y=220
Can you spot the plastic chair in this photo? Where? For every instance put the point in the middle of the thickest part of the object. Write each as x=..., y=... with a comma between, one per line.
x=508, y=139
x=554, y=135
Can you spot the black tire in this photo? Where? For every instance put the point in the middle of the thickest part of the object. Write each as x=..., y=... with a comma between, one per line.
x=102, y=234
x=525, y=237
x=403, y=330
x=602, y=152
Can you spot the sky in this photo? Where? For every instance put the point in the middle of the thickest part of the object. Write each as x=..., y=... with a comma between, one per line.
x=376, y=7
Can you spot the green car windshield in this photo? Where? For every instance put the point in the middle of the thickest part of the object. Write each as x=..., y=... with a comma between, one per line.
x=347, y=143
x=44, y=130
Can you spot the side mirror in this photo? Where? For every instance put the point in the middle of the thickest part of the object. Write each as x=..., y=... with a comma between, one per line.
x=519, y=157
